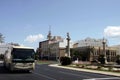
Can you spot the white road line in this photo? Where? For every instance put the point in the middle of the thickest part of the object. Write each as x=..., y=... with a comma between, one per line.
x=103, y=78
x=74, y=74
x=50, y=78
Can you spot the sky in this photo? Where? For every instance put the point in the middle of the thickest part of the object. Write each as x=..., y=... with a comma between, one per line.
x=27, y=21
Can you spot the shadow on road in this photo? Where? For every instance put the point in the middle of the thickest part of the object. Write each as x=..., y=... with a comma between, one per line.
x=6, y=71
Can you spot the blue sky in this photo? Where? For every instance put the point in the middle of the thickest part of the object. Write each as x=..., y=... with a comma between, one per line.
x=27, y=21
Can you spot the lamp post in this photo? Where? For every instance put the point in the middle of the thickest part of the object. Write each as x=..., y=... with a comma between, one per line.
x=104, y=50
x=68, y=45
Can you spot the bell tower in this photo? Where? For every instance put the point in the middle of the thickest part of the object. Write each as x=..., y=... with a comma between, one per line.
x=49, y=36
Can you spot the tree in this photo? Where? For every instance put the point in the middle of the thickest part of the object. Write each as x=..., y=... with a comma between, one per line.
x=1, y=38
x=36, y=56
x=76, y=54
x=118, y=59
x=1, y=56
x=101, y=59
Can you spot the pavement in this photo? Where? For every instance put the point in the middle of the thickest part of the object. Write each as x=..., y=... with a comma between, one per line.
x=86, y=70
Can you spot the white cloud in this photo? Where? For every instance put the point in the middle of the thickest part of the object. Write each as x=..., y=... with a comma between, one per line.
x=34, y=38
x=112, y=31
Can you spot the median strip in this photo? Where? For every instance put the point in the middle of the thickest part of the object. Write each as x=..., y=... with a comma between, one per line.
x=86, y=70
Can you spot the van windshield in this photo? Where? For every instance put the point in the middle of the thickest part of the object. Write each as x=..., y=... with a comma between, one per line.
x=23, y=54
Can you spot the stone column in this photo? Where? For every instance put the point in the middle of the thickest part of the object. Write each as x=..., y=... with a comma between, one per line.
x=104, y=50
x=68, y=45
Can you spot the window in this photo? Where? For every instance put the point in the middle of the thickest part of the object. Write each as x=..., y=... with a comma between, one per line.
x=23, y=53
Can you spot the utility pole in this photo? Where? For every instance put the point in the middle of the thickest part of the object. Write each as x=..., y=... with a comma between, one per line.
x=68, y=45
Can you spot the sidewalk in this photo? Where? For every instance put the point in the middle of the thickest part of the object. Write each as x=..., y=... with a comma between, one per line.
x=86, y=70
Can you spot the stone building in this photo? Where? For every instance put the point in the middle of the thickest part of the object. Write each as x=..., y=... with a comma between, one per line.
x=52, y=48
x=118, y=49
x=90, y=50
x=90, y=42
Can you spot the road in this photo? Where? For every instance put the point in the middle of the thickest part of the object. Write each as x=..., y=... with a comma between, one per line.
x=45, y=72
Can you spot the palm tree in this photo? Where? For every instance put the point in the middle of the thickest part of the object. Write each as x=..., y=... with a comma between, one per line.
x=1, y=38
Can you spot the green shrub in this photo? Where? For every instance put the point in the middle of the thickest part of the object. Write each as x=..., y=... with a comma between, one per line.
x=118, y=62
x=110, y=68
x=1, y=56
x=77, y=65
x=65, y=61
x=99, y=67
x=101, y=59
x=83, y=66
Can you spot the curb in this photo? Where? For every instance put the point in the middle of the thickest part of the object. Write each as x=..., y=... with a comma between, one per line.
x=85, y=70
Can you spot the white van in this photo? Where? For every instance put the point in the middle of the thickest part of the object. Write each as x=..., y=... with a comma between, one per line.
x=19, y=58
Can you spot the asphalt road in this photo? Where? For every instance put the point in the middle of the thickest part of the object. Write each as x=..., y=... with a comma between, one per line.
x=45, y=72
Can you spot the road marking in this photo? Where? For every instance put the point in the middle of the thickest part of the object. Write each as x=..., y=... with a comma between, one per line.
x=50, y=78
x=74, y=74
x=103, y=78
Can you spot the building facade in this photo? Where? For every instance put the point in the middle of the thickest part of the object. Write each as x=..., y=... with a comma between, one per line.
x=43, y=49
x=53, y=49
x=110, y=53
x=90, y=49
x=90, y=42
x=118, y=49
